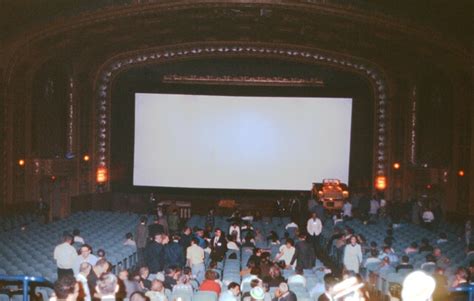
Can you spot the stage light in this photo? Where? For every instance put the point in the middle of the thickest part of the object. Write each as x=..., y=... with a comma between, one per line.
x=53, y=178
x=381, y=183
x=428, y=186
x=396, y=165
x=461, y=173
x=101, y=175
x=21, y=162
x=86, y=158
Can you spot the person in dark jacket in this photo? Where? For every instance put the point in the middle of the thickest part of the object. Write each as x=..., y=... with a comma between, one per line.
x=174, y=253
x=304, y=254
x=186, y=236
x=218, y=246
x=141, y=238
x=154, y=254
x=155, y=228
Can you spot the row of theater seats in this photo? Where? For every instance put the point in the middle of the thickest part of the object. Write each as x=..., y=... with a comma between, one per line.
x=8, y=223
x=29, y=251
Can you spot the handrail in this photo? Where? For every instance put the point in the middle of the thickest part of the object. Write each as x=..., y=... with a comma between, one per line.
x=26, y=280
x=469, y=289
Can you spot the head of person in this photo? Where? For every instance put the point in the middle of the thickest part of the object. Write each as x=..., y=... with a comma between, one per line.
x=290, y=243
x=218, y=232
x=129, y=235
x=274, y=271
x=257, y=252
x=143, y=220
x=254, y=283
x=107, y=285
x=461, y=274
x=353, y=240
x=123, y=275
x=68, y=238
x=329, y=282
x=85, y=268
x=85, y=250
x=430, y=258
x=302, y=236
x=165, y=239
x=443, y=235
x=386, y=261
x=158, y=238
x=102, y=266
x=183, y=279
x=76, y=232
x=255, y=271
x=234, y=288
x=210, y=275
x=405, y=259
x=374, y=253
x=314, y=215
x=194, y=241
x=414, y=245
x=187, y=231
x=101, y=253
x=144, y=272
x=436, y=252
x=66, y=288
x=257, y=293
x=157, y=285
x=139, y=296
x=170, y=271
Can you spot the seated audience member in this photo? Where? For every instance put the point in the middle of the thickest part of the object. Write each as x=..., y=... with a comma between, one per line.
x=430, y=265
x=404, y=264
x=77, y=237
x=256, y=256
x=213, y=267
x=287, y=251
x=157, y=292
x=425, y=246
x=441, y=291
x=460, y=278
x=443, y=238
x=388, y=252
x=256, y=294
x=107, y=286
x=171, y=276
x=210, y=283
x=385, y=267
x=143, y=280
x=259, y=238
x=84, y=271
x=85, y=255
x=253, y=283
x=460, y=281
x=265, y=265
x=129, y=240
x=275, y=278
x=102, y=266
x=232, y=293
x=413, y=248
x=373, y=258
x=441, y=260
x=297, y=278
x=283, y=293
x=183, y=285
x=66, y=288
x=329, y=282
x=127, y=286
x=291, y=228
x=248, y=241
x=337, y=218
x=187, y=271
x=232, y=243
x=250, y=265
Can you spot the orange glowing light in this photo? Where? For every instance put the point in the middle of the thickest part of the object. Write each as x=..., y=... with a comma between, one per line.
x=396, y=165
x=53, y=178
x=428, y=186
x=101, y=175
x=21, y=162
x=86, y=158
x=461, y=173
x=381, y=183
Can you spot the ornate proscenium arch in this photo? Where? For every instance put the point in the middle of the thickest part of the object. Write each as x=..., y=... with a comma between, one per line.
x=111, y=68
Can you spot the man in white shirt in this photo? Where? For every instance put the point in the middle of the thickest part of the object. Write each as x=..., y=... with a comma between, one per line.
x=428, y=218
x=314, y=228
x=65, y=256
x=85, y=256
x=195, y=260
x=81, y=277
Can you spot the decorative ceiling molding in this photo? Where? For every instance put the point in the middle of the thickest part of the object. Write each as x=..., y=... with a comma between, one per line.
x=114, y=66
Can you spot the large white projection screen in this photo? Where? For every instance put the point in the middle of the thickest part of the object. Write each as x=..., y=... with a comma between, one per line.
x=234, y=142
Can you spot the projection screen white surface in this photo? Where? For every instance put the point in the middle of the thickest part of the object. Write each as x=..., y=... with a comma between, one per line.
x=234, y=142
